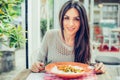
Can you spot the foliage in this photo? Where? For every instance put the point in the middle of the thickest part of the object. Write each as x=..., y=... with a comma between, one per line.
x=43, y=25
x=51, y=3
x=9, y=9
x=10, y=35
x=49, y=16
x=0, y=54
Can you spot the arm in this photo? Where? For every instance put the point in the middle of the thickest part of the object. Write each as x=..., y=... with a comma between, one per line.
x=41, y=55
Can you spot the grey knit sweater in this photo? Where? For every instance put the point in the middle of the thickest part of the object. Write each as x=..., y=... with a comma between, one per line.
x=54, y=49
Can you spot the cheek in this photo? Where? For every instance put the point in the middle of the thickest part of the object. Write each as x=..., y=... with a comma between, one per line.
x=64, y=24
x=79, y=24
x=77, y=27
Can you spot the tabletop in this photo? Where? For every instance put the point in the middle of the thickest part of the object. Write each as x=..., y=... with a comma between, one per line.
x=112, y=73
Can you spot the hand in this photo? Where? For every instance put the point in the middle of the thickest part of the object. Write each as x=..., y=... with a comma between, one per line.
x=99, y=68
x=37, y=67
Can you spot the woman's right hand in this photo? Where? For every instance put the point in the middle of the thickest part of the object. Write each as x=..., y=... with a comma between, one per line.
x=37, y=67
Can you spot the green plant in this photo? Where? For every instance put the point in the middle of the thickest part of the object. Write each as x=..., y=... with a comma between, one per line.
x=12, y=36
x=0, y=54
x=43, y=25
x=9, y=10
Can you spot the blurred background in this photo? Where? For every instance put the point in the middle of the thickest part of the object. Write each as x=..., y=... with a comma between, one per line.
x=23, y=24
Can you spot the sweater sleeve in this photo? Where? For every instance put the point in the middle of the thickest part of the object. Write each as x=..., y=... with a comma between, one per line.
x=42, y=54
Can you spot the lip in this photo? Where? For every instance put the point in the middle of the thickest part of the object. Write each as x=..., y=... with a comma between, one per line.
x=70, y=29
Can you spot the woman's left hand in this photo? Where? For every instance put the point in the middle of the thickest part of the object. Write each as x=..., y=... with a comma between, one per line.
x=99, y=68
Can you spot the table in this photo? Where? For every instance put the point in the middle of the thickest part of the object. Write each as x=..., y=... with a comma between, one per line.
x=112, y=73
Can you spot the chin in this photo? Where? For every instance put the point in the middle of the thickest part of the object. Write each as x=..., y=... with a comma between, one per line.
x=71, y=33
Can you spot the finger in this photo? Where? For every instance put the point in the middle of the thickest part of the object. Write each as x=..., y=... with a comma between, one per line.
x=102, y=69
x=34, y=68
x=98, y=72
x=98, y=66
x=37, y=67
x=40, y=66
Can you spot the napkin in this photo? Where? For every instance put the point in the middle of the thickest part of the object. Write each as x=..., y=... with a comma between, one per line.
x=36, y=76
x=87, y=76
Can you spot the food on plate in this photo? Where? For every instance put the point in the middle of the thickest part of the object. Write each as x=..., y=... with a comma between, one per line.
x=67, y=69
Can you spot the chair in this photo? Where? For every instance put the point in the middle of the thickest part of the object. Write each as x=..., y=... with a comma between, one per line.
x=109, y=37
x=108, y=60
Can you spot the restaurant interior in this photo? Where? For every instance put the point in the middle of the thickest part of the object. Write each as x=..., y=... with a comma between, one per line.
x=38, y=16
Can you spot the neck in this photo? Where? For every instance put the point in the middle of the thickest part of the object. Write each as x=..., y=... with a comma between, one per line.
x=69, y=39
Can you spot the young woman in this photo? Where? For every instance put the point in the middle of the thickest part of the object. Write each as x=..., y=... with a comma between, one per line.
x=71, y=42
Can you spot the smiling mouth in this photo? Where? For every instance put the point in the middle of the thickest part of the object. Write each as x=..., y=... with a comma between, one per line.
x=70, y=29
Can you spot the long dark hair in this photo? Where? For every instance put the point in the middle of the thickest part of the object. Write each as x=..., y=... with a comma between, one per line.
x=81, y=43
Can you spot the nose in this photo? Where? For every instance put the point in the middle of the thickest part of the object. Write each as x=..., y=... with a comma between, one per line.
x=71, y=22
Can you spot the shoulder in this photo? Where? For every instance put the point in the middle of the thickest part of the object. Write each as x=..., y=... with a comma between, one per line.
x=51, y=35
x=52, y=32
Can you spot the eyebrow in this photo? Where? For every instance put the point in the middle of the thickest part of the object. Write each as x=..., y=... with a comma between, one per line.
x=74, y=17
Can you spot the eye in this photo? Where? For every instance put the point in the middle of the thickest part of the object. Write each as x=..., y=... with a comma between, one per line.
x=66, y=18
x=77, y=19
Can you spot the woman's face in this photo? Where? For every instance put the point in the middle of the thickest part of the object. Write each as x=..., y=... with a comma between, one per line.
x=71, y=21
